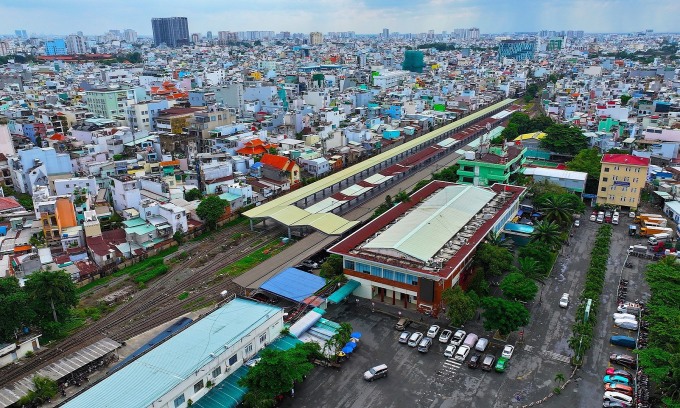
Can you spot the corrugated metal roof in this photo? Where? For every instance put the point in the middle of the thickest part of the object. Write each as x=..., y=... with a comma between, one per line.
x=154, y=374
x=563, y=174
x=425, y=230
x=294, y=284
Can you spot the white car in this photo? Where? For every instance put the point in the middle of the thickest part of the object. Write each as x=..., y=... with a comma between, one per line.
x=458, y=337
x=577, y=223
x=450, y=350
x=564, y=300
x=404, y=336
x=432, y=332
x=415, y=339
x=507, y=351
x=462, y=353
x=445, y=336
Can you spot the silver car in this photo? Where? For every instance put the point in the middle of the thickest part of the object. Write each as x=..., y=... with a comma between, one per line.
x=415, y=339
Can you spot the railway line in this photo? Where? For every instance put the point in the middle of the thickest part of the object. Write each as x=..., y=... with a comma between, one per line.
x=158, y=304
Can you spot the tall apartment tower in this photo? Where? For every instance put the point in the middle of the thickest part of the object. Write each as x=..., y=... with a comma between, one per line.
x=386, y=33
x=75, y=44
x=171, y=31
x=315, y=38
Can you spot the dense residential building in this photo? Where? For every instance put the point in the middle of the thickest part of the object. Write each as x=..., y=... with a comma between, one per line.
x=518, y=50
x=110, y=103
x=409, y=255
x=171, y=31
x=622, y=178
x=75, y=44
x=495, y=166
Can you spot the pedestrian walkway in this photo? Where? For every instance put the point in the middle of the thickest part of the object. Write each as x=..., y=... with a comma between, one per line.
x=449, y=369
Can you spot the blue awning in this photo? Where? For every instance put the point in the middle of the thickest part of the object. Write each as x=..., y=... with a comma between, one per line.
x=340, y=294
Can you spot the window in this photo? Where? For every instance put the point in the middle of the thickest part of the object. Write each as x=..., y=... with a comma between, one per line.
x=198, y=386
x=635, y=180
x=605, y=179
x=216, y=372
x=606, y=169
x=376, y=271
x=263, y=338
x=603, y=189
x=248, y=349
x=388, y=274
x=400, y=277
x=179, y=401
x=615, y=178
x=232, y=360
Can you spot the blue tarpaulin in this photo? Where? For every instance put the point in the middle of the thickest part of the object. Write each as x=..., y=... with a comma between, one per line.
x=294, y=284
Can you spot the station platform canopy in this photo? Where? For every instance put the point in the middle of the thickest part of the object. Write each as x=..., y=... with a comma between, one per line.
x=292, y=216
x=294, y=284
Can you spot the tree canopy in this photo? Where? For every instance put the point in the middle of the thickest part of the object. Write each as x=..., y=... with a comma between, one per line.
x=460, y=307
x=15, y=308
x=193, y=194
x=503, y=315
x=559, y=208
x=494, y=260
x=547, y=233
x=564, y=139
x=277, y=372
x=52, y=294
x=587, y=161
x=516, y=286
x=211, y=209
x=332, y=267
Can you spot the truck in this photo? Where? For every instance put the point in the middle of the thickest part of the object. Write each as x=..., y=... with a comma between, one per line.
x=649, y=231
x=642, y=218
x=657, y=238
x=637, y=250
x=655, y=222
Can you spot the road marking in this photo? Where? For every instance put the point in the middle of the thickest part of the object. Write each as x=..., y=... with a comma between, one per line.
x=557, y=357
x=449, y=368
x=528, y=348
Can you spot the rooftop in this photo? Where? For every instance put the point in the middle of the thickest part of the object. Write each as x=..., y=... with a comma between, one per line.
x=626, y=159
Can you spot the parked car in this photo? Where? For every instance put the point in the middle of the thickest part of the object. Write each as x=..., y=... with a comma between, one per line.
x=577, y=223
x=564, y=300
x=507, y=351
x=593, y=216
x=432, y=332
x=622, y=388
x=445, y=336
x=473, y=362
x=623, y=341
x=617, y=316
x=622, y=359
x=615, y=219
x=415, y=339
x=425, y=345
x=608, y=216
x=615, y=404
x=403, y=337
x=615, y=379
x=458, y=337
x=617, y=396
x=501, y=365
x=627, y=324
x=471, y=340
x=623, y=373
x=376, y=372
x=449, y=351
x=462, y=353
x=600, y=217
x=481, y=344
x=402, y=324
x=487, y=362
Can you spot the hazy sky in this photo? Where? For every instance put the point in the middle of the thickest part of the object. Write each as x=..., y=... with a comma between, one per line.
x=361, y=16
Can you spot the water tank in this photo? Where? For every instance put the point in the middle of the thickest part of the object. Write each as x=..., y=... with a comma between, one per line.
x=240, y=165
x=469, y=155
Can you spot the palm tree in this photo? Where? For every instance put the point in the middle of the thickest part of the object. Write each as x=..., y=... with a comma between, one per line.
x=496, y=239
x=559, y=378
x=54, y=288
x=557, y=209
x=529, y=267
x=547, y=233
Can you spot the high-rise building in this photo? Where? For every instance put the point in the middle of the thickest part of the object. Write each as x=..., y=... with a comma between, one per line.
x=473, y=33
x=130, y=35
x=4, y=48
x=195, y=38
x=226, y=37
x=55, y=47
x=208, y=35
x=315, y=38
x=171, y=31
x=75, y=44
x=386, y=33
x=518, y=50
x=21, y=34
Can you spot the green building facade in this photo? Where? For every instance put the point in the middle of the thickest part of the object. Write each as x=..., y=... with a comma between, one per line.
x=492, y=167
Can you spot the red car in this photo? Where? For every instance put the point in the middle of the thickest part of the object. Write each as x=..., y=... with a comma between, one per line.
x=622, y=388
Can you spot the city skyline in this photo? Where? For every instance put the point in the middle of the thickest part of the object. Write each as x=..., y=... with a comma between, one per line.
x=40, y=17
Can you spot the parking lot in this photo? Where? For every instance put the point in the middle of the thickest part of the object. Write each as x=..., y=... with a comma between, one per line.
x=429, y=380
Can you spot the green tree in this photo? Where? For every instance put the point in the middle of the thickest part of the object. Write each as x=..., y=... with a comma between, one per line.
x=277, y=372
x=51, y=293
x=332, y=267
x=522, y=121
x=547, y=233
x=540, y=123
x=558, y=208
x=618, y=151
x=552, y=78
x=497, y=239
x=211, y=209
x=193, y=194
x=530, y=268
x=15, y=308
x=449, y=174
x=339, y=339
x=509, y=133
x=493, y=260
x=460, y=307
x=624, y=99
x=516, y=286
x=587, y=161
x=541, y=188
x=503, y=315
x=564, y=139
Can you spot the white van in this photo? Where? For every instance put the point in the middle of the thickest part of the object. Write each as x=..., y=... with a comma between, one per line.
x=471, y=340
x=376, y=372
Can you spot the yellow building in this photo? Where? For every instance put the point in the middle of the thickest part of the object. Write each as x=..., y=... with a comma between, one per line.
x=622, y=178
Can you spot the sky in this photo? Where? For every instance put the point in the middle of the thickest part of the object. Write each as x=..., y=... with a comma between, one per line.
x=53, y=17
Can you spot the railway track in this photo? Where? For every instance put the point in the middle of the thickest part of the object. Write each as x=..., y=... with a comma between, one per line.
x=155, y=305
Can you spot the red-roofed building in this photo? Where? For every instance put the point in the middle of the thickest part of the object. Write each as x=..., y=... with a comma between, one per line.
x=102, y=248
x=622, y=178
x=413, y=252
x=9, y=205
x=280, y=168
x=255, y=147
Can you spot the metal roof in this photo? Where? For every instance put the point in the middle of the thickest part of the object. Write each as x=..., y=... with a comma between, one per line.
x=294, y=284
x=264, y=210
x=425, y=230
x=157, y=372
x=292, y=216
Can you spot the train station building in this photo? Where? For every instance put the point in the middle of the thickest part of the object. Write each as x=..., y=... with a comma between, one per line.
x=410, y=254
